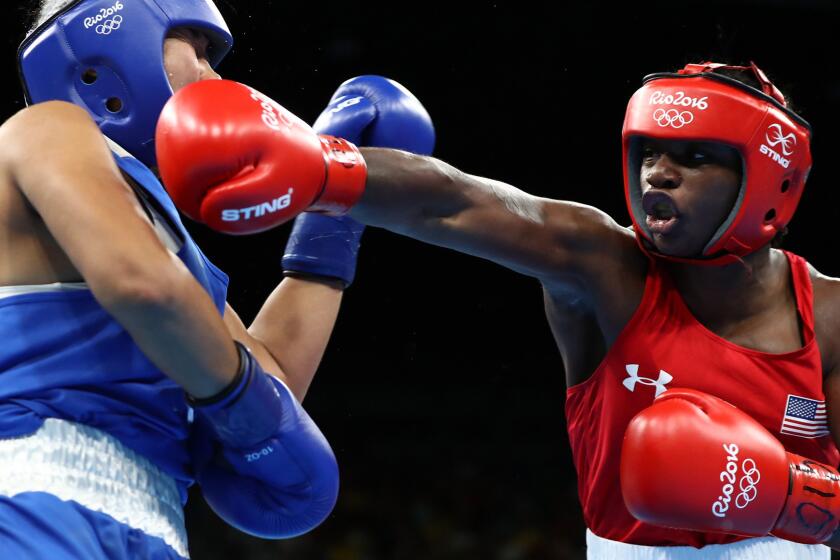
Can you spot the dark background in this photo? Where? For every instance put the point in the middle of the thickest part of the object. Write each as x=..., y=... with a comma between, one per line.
x=442, y=392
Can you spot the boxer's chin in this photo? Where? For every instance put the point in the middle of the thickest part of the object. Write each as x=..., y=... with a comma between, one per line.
x=670, y=242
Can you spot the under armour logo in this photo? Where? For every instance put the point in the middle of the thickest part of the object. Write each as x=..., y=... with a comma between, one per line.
x=633, y=373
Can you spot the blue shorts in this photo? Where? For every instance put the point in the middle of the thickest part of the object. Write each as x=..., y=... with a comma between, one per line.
x=69, y=491
x=35, y=525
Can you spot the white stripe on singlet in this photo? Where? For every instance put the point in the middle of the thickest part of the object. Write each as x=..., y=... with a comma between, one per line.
x=9, y=291
x=79, y=463
x=764, y=548
x=163, y=230
x=116, y=148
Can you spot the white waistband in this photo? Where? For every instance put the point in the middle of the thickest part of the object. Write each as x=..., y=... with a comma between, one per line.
x=764, y=548
x=80, y=463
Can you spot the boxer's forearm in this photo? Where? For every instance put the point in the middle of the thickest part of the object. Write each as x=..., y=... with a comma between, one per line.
x=407, y=193
x=294, y=326
x=431, y=201
x=176, y=325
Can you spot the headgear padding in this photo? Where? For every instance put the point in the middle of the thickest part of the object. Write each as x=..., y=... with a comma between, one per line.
x=107, y=57
x=774, y=143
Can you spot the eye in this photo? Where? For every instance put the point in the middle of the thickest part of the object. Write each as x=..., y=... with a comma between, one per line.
x=698, y=154
x=649, y=154
x=202, y=45
x=196, y=39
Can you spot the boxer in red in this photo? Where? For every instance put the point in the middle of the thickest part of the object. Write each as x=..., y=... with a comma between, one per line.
x=692, y=299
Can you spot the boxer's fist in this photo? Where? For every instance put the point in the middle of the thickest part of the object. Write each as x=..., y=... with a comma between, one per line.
x=693, y=461
x=378, y=112
x=232, y=158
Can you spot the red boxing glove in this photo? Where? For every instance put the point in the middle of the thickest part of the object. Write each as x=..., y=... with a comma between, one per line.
x=232, y=158
x=694, y=461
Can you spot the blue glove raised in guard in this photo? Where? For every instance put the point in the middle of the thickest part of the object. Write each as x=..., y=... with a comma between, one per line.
x=368, y=111
x=274, y=475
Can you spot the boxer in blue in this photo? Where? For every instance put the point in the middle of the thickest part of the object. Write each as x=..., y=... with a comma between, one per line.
x=125, y=374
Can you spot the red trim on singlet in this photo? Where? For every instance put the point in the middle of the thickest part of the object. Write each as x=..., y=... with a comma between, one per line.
x=663, y=335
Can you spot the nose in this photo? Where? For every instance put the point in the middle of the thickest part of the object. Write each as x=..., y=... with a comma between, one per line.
x=664, y=173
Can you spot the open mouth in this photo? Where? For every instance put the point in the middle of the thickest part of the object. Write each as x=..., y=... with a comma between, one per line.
x=661, y=211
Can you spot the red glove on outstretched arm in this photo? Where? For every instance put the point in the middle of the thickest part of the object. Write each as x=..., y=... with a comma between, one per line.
x=693, y=461
x=232, y=158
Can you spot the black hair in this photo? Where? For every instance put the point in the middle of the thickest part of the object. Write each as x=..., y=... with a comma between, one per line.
x=747, y=77
x=42, y=10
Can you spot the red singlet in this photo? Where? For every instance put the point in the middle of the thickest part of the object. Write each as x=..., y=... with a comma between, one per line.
x=664, y=346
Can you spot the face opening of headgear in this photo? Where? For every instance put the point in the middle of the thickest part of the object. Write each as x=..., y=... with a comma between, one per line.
x=699, y=104
x=107, y=57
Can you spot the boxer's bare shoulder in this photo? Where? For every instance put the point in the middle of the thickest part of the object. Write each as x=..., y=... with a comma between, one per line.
x=601, y=263
x=43, y=137
x=54, y=166
x=590, y=251
x=37, y=259
x=827, y=329
x=827, y=319
x=587, y=312
x=29, y=125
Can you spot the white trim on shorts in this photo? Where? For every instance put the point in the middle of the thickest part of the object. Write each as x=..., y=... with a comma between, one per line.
x=764, y=548
x=9, y=291
x=76, y=462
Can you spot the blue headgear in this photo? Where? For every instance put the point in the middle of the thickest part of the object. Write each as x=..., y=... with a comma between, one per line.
x=107, y=56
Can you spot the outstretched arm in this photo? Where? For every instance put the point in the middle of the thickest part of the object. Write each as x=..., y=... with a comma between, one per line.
x=427, y=199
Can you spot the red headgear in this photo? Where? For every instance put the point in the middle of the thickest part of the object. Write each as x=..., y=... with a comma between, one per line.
x=774, y=143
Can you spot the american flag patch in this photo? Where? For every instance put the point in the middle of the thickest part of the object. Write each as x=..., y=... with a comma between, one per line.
x=804, y=418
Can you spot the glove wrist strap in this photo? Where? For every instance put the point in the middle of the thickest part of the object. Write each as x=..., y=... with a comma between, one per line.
x=811, y=511
x=249, y=411
x=346, y=176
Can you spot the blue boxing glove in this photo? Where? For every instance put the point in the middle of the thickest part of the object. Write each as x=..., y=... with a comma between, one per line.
x=368, y=111
x=322, y=245
x=274, y=475
x=378, y=112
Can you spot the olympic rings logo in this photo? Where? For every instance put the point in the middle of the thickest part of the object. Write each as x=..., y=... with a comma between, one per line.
x=109, y=26
x=673, y=118
x=747, y=484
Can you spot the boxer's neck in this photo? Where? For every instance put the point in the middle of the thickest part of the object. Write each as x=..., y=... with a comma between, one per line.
x=733, y=291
